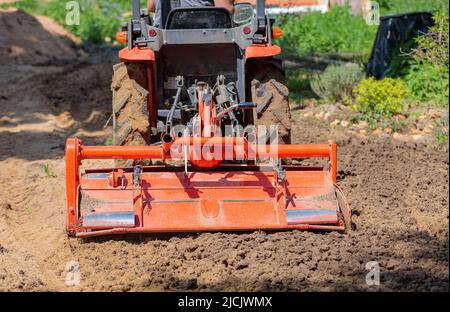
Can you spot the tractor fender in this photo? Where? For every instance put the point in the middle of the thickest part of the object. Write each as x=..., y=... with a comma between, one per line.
x=137, y=55
x=261, y=51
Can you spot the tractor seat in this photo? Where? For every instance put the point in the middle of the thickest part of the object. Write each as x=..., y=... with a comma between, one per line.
x=199, y=18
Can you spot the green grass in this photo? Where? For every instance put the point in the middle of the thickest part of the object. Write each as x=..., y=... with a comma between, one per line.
x=423, y=64
x=109, y=142
x=442, y=135
x=298, y=80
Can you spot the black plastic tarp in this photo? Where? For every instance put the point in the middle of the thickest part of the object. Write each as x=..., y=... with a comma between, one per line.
x=395, y=30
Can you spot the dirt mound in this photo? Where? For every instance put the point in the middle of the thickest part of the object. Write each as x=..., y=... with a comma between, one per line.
x=25, y=39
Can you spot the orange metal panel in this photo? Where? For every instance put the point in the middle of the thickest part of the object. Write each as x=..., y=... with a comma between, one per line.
x=258, y=51
x=122, y=37
x=204, y=201
x=137, y=55
x=72, y=183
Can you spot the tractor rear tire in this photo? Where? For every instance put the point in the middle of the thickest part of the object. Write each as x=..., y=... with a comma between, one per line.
x=271, y=95
x=131, y=125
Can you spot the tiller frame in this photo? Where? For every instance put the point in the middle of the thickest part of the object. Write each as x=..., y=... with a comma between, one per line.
x=225, y=198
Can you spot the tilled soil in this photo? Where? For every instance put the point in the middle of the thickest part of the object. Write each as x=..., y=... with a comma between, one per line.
x=398, y=193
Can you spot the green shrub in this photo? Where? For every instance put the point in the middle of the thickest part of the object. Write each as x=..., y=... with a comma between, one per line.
x=336, y=31
x=427, y=84
x=380, y=98
x=99, y=20
x=432, y=62
x=433, y=47
x=337, y=82
x=424, y=65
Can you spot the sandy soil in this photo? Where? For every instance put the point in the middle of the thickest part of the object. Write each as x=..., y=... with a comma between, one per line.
x=398, y=193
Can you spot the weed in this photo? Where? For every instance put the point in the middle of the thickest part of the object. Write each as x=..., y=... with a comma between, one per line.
x=442, y=134
x=441, y=137
x=109, y=142
x=48, y=173
x=298, y=80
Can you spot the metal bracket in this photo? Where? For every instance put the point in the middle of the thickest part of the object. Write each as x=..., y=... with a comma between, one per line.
x=137, y=190
x=180, y=85
x=186, y=153
x=137, y=171
x=280, y=172
x=280, y=178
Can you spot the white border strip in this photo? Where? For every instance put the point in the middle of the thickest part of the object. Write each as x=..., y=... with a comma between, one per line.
x=298, y=9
